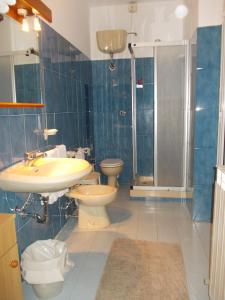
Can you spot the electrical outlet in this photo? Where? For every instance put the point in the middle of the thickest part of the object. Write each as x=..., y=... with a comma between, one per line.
x=132, y=7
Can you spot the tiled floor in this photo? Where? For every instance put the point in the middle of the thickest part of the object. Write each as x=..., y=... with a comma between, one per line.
x=147, y=220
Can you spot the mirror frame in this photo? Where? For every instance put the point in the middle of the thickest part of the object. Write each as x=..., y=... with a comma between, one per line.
x=46, y=13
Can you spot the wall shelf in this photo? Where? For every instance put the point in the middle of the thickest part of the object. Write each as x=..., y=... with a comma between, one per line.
x=21, y=105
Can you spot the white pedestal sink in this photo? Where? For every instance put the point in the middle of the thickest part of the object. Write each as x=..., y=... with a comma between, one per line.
x=46, y=175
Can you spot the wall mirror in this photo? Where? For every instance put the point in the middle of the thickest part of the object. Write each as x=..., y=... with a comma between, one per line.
x=19, y=64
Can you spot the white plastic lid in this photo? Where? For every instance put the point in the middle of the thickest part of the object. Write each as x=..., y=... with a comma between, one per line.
x=112, y=162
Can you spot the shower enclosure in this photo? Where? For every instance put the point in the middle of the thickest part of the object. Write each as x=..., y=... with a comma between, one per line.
x=161, y=119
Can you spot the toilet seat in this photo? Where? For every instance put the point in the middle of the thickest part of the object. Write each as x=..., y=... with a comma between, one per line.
x=111, y=162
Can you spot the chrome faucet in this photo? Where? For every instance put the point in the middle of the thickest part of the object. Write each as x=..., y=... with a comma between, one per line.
x=31, y=157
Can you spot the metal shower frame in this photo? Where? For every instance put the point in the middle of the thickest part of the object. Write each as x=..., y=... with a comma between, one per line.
x=187, y=119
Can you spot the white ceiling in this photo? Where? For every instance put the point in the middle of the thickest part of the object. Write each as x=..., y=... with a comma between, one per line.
x=114, y=2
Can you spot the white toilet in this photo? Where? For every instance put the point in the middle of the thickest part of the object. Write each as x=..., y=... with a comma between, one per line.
x=112, y=168
x=92, y=201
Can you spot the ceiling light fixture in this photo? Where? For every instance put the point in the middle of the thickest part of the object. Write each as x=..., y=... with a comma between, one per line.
x=37, y=25
x=25, y=25
x=181, y=11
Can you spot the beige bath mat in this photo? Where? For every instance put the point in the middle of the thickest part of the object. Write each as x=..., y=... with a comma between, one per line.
x=141, y=270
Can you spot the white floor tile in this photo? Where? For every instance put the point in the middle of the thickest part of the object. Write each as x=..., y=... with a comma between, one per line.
x=147, y=227
x=204, y=230
x=143, y=220
x=197, y=289
x=87, y=283
x=80, y=241
x=103, y=241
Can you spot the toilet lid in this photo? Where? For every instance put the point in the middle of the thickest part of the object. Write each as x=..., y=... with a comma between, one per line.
x=112, y=162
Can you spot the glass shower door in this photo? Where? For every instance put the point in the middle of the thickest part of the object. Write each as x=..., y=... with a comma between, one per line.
x=145, y=120
x=169, y=123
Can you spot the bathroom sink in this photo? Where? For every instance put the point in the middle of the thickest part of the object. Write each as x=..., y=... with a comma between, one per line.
x=45, y=175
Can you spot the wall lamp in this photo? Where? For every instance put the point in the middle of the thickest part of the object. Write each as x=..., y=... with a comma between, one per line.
x=37, y=25
x=34, y=8
x=25, y=25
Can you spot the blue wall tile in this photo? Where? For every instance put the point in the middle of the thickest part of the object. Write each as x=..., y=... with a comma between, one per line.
x=145, y=117
x=112, y=132
x=31, y=139
x=17, y=132
x=206, y=125
x=206, y=95
x=64, y=77
x=209, y=47
x=202, y=205
x=205, y=162
x=5, y=145
x=27, y=81
x=145, y=70
x=145, y=123
x=111, y=94
x=206, y=119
